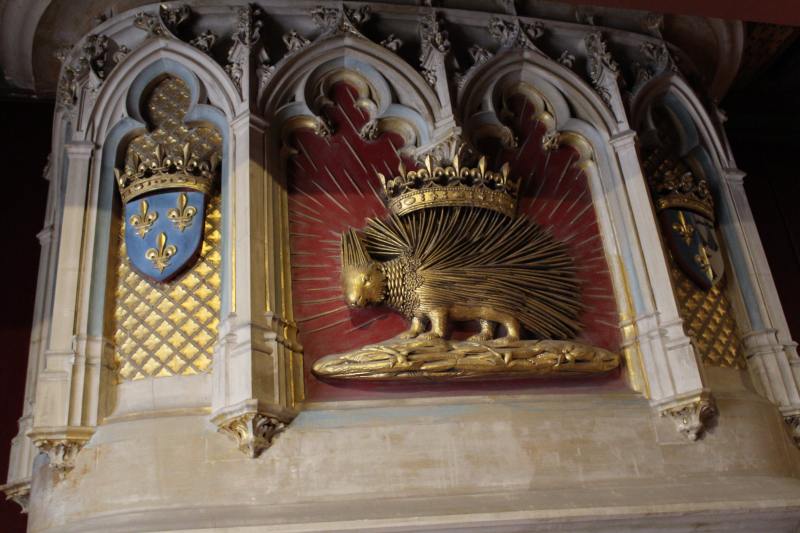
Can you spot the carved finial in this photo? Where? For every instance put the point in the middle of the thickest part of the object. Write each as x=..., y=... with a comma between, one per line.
x=657, y=60
x=603, y=70
x=333, y=21
x=294, y=41
x=392, y=43
x=173, y=16
x=433, y=34
x=150, y=23
x=653, y=24
x=567, y=59
x=245, y=37
x=205, y=41
x=515, y=34
x=435, y=45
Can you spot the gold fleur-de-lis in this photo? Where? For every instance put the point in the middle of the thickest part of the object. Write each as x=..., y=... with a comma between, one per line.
x=161, y=255
x=144, y=220
x=183, y=215
x=704, y=262
x=684, y=230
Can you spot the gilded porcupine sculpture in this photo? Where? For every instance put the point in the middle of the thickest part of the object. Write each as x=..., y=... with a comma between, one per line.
x=452, y=250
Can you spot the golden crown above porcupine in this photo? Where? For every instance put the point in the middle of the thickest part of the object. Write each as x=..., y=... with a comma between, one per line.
x=453, y=184
x=167, y=167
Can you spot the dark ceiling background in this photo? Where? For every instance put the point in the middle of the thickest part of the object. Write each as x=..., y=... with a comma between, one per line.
x=763, y=127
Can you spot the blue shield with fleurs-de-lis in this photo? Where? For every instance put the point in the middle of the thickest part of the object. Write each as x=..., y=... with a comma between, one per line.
x=694, y=244
x=164, y=232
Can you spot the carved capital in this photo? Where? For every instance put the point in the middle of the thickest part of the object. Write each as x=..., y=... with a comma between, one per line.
x=691, y=416
x=253, y=432
x=19, y=492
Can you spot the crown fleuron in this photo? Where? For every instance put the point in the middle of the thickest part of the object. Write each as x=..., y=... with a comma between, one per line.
x=453, y=184
x=167, y=167
x=676, y=187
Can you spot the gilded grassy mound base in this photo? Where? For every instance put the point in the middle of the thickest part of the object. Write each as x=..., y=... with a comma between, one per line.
x=409, y=360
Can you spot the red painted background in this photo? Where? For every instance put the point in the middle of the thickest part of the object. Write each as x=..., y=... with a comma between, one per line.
x=333, y=186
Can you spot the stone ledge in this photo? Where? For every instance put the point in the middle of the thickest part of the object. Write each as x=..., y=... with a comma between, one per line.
x=722, y=504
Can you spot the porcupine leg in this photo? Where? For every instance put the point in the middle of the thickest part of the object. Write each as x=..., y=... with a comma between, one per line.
x=438, y=330
x=512, y=330
x=417, y=327
x=486, y=334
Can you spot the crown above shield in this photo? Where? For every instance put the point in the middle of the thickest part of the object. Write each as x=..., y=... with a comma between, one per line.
x=675, y=186
x=167, y=167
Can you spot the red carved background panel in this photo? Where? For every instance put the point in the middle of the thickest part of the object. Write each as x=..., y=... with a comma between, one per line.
x=333, y=186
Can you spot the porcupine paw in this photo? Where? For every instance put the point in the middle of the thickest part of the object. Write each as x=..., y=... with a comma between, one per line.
x=407, y=335
x=429, y=336
x=483, y=336
x=504, y=341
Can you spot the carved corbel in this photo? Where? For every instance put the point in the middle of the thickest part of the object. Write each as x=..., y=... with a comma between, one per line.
x=691, y=416
x=19, y=492
x=793, y=423
x=252, y=429
x=61, y=445
x=791, y=415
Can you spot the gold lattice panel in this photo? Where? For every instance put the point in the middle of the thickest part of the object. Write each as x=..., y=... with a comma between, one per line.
x=165, y=109
x=708, y=320
x=169, y=329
